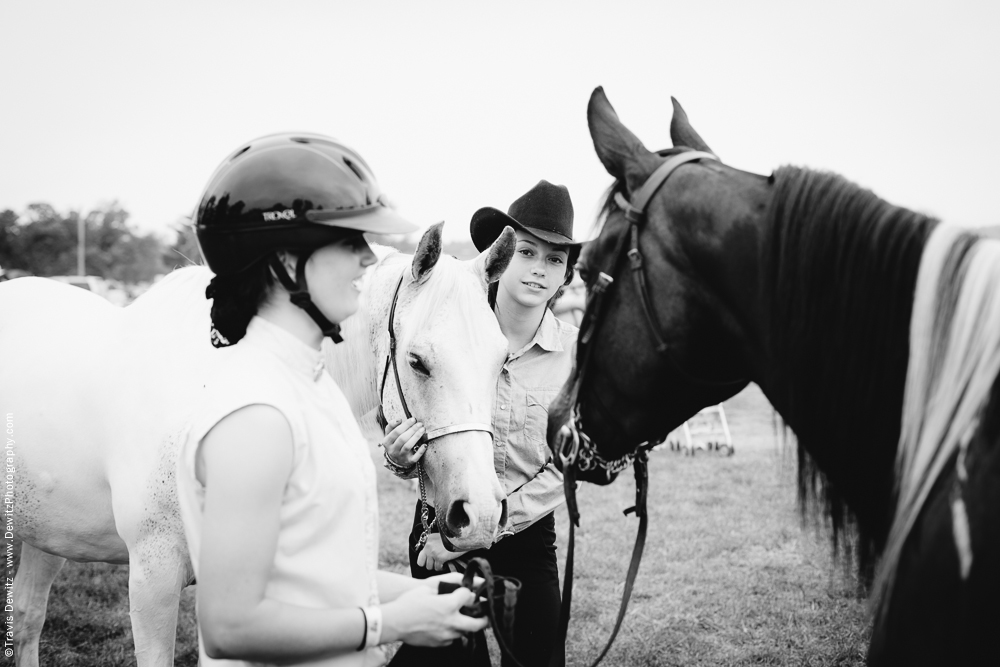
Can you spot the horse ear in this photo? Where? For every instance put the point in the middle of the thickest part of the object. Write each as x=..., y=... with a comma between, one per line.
x=492, y=262
x=681, y=132
x=615, y=144
x=428, y=252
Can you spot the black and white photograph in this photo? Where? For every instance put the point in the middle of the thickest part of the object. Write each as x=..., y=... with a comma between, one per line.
x=529, y=334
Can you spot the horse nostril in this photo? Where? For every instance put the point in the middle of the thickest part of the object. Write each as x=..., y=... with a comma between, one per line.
x=458, y=518
x=503, y=513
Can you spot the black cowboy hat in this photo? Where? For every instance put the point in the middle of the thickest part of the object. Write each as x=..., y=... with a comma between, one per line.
x=545, y=211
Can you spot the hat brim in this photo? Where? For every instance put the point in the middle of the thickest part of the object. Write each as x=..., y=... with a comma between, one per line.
x=378, y=219
x=487, y=224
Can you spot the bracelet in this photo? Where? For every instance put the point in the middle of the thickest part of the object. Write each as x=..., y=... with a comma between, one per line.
x=373, y=626
x=394, y=467
x=364, y=635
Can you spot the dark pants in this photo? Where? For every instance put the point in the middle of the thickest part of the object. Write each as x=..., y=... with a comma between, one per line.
x=529, y=556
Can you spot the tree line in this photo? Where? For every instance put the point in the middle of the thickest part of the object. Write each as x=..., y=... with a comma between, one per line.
x=42, y=241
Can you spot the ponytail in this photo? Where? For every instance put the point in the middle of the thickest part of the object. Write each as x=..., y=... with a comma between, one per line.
x=236, y=298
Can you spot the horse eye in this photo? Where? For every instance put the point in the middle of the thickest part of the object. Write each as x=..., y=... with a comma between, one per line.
x=417, y=364
x=582, y=270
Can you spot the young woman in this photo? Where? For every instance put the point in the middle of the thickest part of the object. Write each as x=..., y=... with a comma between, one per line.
x=275, y=482
x=539, y=361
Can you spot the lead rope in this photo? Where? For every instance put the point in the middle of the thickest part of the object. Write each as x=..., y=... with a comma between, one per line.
x=423, y=509
x=641, y=469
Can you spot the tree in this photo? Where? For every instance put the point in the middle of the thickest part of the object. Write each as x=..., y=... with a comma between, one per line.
x=44, y=242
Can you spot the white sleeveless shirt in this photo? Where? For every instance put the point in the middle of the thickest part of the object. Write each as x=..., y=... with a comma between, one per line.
x=327, y=550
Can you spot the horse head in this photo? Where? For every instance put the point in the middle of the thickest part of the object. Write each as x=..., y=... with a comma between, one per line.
x=645, y=364
x=449, y=353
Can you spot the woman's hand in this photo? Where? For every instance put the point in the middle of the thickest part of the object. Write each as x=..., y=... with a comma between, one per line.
x=402, y=442
x=434, y=556
x=421, y=617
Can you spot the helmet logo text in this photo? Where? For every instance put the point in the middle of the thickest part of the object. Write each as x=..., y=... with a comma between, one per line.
x=271, y=216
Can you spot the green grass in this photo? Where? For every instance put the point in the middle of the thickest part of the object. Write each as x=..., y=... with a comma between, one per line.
x=729, y=577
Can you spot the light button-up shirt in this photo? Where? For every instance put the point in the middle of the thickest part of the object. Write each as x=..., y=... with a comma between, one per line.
x=529, y=381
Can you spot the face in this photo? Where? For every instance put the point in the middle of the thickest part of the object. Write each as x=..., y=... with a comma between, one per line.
x=334, y=274
x=536, y=272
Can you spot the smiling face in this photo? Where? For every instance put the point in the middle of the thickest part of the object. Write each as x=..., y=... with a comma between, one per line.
x=334, y=273
x=536, y=272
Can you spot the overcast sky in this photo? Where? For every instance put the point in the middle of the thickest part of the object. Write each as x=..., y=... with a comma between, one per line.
x=459, y=105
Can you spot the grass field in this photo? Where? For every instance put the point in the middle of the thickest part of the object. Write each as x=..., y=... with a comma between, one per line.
x=729, y=577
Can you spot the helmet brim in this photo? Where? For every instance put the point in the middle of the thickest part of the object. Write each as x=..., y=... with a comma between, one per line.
x=377, y=219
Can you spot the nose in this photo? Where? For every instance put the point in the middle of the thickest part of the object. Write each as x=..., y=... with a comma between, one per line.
x=459, y=520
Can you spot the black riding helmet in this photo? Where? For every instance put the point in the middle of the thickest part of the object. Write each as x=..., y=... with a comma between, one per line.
x=292, y=191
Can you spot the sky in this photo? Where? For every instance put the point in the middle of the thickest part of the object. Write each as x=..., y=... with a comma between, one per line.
x=460, y=105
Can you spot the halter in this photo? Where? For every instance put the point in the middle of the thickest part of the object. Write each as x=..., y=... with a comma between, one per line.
x=575, y=449
x=428, y=435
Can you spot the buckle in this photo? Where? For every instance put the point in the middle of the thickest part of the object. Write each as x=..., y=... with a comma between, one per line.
x=569, y=445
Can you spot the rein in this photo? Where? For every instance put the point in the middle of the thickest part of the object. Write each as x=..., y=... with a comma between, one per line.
x=575, y=449
x=502, y=632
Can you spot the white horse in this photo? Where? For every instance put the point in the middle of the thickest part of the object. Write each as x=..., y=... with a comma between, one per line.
x=98, y=397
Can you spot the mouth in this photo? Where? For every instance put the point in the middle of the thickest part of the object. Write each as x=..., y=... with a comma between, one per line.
x=356, y=283
x=533, y=285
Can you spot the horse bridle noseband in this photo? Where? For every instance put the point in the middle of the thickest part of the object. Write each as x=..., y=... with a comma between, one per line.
x=576, y=450
x=428, y=435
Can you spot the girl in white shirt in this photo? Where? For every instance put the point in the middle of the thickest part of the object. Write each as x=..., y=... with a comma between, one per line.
x=275, y=483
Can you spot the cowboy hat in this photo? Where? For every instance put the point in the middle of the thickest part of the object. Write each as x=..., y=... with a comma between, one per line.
x=545, y=211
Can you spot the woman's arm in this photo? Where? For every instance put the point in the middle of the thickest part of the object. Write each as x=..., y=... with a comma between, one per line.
x=244, y=463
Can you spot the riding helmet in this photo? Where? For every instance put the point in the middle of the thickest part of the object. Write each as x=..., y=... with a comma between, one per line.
x=291, y=191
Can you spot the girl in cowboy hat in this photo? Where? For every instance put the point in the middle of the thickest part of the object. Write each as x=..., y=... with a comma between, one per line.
x=275, y=483
x=539, y=360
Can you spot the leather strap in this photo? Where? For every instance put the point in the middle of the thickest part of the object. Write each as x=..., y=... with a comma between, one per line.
x=640, y=199
x=298, y=293
x=641, y=469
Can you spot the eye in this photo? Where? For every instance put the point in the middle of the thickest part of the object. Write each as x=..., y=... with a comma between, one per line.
x=581, y=268
x=526, y=252
x=555, y=259
x=417, y=364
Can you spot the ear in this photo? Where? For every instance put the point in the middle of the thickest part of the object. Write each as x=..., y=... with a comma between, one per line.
x=616, y=146
x=493, y=261
x=681, y=132
x=428, y=252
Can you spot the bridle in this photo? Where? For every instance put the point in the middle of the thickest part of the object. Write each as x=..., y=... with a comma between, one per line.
x=575, y=449
x=508, y=585
x=428, y=435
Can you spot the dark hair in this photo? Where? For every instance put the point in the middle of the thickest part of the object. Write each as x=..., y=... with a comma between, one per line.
x=573, y=252
x=236, y=299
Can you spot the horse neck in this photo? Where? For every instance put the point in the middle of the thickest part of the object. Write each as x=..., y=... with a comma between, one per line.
x=838, y=271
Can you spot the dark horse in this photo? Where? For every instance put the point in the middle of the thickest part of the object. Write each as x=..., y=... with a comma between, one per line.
x=805, y=284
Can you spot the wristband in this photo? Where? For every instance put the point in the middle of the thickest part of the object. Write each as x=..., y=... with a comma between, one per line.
x=364, y=633
x=373, y=626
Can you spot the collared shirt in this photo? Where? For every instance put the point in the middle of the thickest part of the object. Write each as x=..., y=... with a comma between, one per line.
x=531, y=378
x=327, y=548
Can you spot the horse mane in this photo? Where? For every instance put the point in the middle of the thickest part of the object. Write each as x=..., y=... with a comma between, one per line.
x=838, y=273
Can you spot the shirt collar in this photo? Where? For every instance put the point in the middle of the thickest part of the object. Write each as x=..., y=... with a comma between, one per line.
x=300, y=357
x=546, y=336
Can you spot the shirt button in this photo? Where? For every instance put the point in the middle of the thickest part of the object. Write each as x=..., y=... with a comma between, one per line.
x=503, y=406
